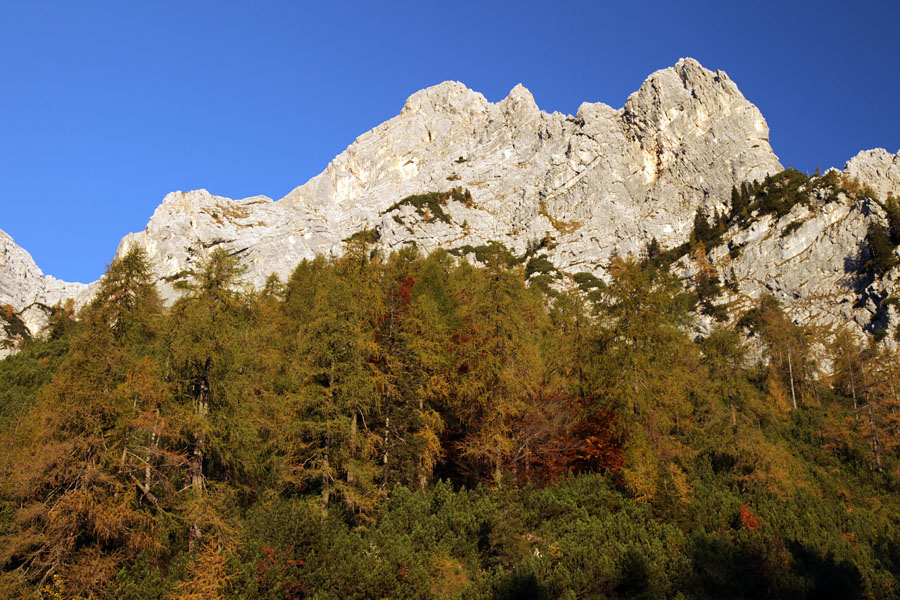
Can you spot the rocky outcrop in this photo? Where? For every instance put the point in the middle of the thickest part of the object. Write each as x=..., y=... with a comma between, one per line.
x=879, y=169
x=814, y=258
x=22, y=283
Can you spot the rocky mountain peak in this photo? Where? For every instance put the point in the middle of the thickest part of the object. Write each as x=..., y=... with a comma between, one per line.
x=605, y=181
x=29, y=292
x=22, y=283
x=449, y=96
x=878, y=168
x=519, y=105
x=602, y=182
x=20, y=279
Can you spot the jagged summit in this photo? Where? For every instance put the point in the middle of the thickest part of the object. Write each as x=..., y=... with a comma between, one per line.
x=878, y=168
x=445, y=97
x=604, y=181
x=22, y=283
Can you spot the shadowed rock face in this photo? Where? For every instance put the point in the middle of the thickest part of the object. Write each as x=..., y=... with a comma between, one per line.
x=811, y=259
x=600, y=182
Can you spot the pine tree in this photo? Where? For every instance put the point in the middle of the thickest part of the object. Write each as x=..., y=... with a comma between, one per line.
x=739, y=202
x=883, y=258
x=891, y=208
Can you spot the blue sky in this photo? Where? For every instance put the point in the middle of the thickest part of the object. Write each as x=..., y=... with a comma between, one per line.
x=107, y=106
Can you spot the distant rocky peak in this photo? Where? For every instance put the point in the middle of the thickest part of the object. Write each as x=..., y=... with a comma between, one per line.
x=519, y=105
x=878, y=168
x=22, y=283
x=449, y=96
x=687, y=88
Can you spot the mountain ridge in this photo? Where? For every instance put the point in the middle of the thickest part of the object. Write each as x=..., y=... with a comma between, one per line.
x=599, y=183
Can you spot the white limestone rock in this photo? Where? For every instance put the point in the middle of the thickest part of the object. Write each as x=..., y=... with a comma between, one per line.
x=878, y=168
x=812, y=259
x=604, y=181
x=28, y=293
x=36, y=318
x=22, y=283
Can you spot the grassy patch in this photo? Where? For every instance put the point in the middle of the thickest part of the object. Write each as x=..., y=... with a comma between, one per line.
x=430, y=206
x=792, y=227
x=560, y=226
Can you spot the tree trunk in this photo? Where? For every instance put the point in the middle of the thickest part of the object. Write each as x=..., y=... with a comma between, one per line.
x=873, y=431
x=387, y=429
x=354, y=428
x=195, y=466
x=853, y=394
x=152, y=450
x=733, y=416
x=873, y=438
x=326, y=489
x=791, y=373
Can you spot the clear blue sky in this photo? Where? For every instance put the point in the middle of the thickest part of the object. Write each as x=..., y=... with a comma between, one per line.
x=107, y=106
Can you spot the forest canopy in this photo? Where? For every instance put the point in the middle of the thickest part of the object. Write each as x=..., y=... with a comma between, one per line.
x=421, y=427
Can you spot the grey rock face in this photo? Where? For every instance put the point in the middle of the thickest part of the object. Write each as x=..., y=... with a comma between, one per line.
x=22, y=283
x=36, y=318
x=878, y=168
x=603, y=181
x=810, y=270
x=29, y=292
x=813, y=258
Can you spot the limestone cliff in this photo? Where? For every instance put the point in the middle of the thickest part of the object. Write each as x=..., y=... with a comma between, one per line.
x=600, y=182
x=604, y=180
x=26, y=295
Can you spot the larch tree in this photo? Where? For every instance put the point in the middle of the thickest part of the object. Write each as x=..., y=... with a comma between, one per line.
x=792, y=363
x=335, y=434
x=413, y=373
x=497, y=360
x=206, y=341
x=648, y=373
x=725, y=356
x=80, y=471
